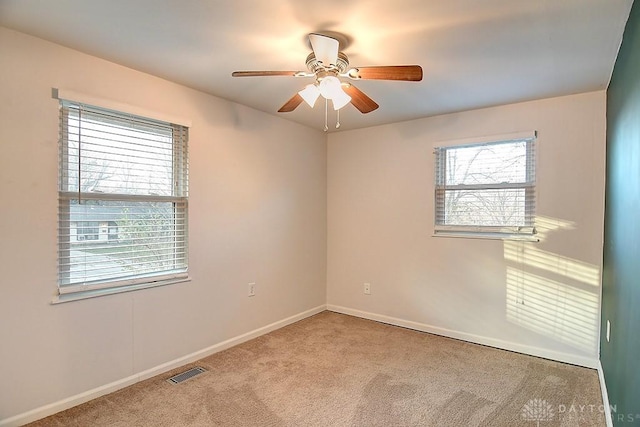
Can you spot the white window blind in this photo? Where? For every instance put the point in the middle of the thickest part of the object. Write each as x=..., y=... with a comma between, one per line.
x=486, y=188
x=123, y=192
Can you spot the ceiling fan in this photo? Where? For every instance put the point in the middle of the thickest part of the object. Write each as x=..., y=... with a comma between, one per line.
x=327, y=64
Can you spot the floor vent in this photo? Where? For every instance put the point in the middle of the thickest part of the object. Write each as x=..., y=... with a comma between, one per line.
x=176, y=379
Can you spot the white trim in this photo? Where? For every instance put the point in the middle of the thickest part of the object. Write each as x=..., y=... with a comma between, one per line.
x=61, y=405
x=110, y=104
x=587, y=362
x=71, y=195
x=605, y=396
x=110, y=289
x=485, y=235
x=149, y=278
x=515, y=136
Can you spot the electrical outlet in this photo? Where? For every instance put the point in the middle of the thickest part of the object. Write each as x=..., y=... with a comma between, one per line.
x=252, y=289
x=367, y=288
x=608, y=331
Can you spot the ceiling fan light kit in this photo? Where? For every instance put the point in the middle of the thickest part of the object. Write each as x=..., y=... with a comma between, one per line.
x=326, y=64
x=310, y=94
x=340, y=100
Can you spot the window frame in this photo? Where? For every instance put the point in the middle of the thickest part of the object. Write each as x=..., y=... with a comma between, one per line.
x=525, y=231
x=179, y=199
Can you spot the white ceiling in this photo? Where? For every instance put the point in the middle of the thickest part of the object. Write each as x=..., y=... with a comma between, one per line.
x=474, y=53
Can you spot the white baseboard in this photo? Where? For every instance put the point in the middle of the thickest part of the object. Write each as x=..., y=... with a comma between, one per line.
x=45, y=411
x=605, y=396
x=477, y=339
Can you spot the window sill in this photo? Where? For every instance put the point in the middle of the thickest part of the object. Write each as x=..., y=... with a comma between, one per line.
x=487, y=236
x=94, y=293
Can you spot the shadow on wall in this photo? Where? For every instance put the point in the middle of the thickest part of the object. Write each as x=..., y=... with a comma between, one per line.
x=551, y=294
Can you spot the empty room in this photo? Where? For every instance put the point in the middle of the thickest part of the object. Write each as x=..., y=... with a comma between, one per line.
x=336, y=213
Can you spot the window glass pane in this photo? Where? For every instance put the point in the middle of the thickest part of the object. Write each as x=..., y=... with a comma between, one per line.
x=486, y=164
x=126, y=239
x=504, y=207
x=118, y=156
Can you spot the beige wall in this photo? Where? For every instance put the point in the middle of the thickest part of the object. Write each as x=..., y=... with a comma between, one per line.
x=257, y=213
x=541, y=298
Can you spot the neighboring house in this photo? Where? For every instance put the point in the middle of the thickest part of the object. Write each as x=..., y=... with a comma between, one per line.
x=99, y=225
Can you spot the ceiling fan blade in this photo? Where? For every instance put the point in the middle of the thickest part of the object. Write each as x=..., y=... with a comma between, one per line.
x=412, y=73
x=291, y=104
x=359, y=100
x=325, y=48
x=267, y=73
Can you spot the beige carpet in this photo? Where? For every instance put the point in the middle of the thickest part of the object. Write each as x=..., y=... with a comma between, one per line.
x=337, y=370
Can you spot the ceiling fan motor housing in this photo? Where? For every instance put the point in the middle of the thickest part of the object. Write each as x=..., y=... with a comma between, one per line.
x=318, y=67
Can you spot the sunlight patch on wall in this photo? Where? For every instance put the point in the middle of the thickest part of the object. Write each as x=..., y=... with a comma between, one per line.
x=546, y=225
x=554, y=309
x=553, y=263
x=552, y=294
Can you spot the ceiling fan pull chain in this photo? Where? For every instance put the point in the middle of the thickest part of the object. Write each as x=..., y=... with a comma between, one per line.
x=337, y=119
x=326, y=113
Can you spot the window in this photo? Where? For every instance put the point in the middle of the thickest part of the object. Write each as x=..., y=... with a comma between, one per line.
x=486, y=189
x=87, y=230
x=123, y=188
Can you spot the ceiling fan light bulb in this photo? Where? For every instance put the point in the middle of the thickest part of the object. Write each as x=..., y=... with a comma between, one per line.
x=330, y=87
x=310, y=94
x=340, y=100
